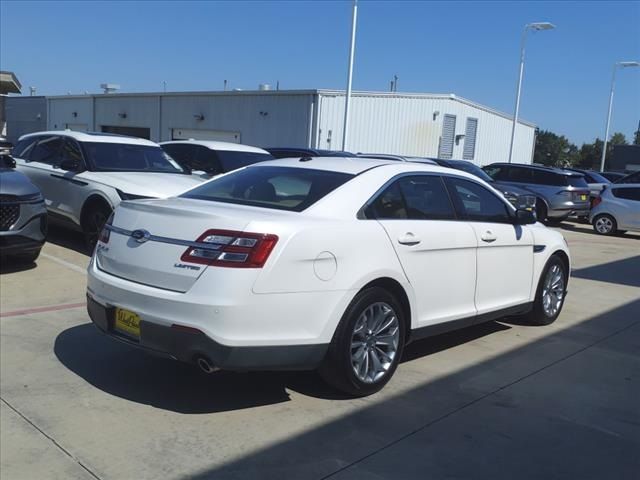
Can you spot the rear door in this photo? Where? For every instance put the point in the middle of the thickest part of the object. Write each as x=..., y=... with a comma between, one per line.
x=505, y=251
x=627, y=210
x=437, y=252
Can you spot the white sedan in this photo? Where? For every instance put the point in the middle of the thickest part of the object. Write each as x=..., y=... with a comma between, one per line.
x=328, y=263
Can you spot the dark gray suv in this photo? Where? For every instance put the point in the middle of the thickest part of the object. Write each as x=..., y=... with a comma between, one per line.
x=23, y=216
x=559, y=193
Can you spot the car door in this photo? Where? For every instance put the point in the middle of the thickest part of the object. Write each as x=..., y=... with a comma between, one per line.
x=627, y=210
x=39, y=166
x=69, y=182
x=437, y=252
x=505, y=250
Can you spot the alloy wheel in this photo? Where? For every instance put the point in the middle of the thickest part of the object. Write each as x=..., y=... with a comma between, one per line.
x=374, y=342
x=553, y=291
x=604, y=225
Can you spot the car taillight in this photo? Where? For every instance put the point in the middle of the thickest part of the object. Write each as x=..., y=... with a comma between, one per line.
x=596, y=201
x=226, y=248
x=105, y=233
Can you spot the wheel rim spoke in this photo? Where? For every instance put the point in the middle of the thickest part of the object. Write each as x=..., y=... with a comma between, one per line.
x=553, y=290
x=374, y=342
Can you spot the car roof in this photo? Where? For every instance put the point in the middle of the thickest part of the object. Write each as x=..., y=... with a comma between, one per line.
x=624, y=185
x=356, y=165
x=94, y=137
x=543, y=168
x=216, y=145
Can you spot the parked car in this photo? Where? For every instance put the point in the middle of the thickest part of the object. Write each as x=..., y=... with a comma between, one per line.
x=23, y=216
x=595, y=181
x=559, y=193
x=631, y=178
x=210, y=158
x=617, y=209
x=286, y=152
x=327, y=263
x=83, y=176
x=613, y=176
x=518, y=197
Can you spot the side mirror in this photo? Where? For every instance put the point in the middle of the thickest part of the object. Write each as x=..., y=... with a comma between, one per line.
x=525, y=217
x=7, y=161
x=69, y=165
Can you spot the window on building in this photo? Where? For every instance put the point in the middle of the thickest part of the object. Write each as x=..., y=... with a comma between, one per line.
x=448, y=137
x=470, y=130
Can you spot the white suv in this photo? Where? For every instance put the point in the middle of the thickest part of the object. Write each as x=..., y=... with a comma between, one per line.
x=84, y=176
x=209, y=158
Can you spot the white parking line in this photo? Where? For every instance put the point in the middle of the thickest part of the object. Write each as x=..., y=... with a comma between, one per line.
x=64, y=263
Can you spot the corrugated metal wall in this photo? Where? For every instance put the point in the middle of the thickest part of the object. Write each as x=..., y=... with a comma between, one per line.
x=25, y=115
x=262, y=120
x=72, y=110
x=412, y=125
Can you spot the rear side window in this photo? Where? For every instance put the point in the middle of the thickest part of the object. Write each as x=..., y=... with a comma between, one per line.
x=627, y=193
x=426, y=198
x=631, y=178
x=181, y=153
x=521, y=175
x=476, y=203
x=281, y=188
x=231, y=160
x=47, y=150
x=495, y=172
x=574, y=181
x=543, y=177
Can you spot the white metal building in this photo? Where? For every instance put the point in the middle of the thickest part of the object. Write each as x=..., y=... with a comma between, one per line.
x=430, y=125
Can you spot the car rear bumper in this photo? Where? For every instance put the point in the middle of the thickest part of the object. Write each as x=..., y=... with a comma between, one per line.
x=188, y=345
x=581, y=210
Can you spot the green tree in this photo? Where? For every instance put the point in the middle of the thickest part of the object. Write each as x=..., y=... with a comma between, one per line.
x=617, y=139
x=555, y=150
x=591, y=154
x=636, y=137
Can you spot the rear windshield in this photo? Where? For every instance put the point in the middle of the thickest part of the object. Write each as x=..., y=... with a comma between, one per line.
x=575, y=181
x=124, y=157
x=281, y=188
x=232, y=160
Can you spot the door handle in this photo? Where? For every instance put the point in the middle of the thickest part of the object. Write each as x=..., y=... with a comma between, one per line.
x=409, y=239
x=488, y=236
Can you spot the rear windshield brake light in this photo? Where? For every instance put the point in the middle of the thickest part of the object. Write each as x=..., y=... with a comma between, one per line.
x=227, y=248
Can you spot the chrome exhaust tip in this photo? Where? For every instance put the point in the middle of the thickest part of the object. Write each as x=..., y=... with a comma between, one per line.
x=205, y=365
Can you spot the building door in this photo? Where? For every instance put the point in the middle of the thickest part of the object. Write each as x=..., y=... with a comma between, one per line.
x=448, y=137
x=216, y=135
x=140, y=132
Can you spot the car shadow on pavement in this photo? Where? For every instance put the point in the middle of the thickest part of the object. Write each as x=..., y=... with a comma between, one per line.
x=622, y=272
x=67, y=238
x=126, y=372
x=11, y=265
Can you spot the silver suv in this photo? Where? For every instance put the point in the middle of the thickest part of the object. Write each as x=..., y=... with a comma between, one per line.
x=559, y=193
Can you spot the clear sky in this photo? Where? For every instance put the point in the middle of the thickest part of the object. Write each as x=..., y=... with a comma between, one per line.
x=467, y=48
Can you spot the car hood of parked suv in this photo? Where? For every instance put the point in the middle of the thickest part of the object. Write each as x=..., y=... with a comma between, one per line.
x=145, y=184
x=15, y=183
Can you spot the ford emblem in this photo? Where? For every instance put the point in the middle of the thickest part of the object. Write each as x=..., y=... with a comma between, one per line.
x=140, y=236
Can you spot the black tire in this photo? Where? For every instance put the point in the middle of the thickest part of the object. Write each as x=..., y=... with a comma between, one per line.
x=539, y=315
x=337, y=368
x=541, y=211
x=605, y=224
x=92, y=222
x=28, y=258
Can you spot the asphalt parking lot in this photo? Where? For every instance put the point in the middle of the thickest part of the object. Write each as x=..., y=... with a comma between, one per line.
x=499, y=400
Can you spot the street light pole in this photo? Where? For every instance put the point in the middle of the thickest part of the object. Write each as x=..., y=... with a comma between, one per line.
x=530, y=26
x=613, y=84
x=347, y=100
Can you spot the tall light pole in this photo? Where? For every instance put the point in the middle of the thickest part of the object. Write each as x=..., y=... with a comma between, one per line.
x=537, y=26
x=613, y=83
x=347, y=99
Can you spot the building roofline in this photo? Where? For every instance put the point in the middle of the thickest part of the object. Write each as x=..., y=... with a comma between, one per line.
x=10, y=78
